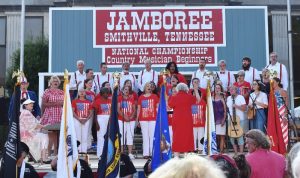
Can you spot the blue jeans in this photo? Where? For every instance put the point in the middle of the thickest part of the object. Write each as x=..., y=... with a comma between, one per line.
x=259, y=121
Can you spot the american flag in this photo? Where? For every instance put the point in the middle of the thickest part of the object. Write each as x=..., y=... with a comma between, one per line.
x=105, y=108
x=284, y=127
x=126, y=108
x=83, y=109
x=197, y=113
x=148, y=108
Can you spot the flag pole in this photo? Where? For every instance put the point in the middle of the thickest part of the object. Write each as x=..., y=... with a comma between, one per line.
x=22, y=35
x=290, y=52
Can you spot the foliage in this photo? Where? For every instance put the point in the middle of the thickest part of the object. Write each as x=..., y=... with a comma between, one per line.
x=35, y=61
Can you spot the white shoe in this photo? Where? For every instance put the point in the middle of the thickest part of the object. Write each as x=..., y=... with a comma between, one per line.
x=131, y=156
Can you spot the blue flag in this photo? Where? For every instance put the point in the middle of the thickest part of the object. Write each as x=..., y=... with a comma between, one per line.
x=161, y=143
x=109, y=163
x=11, y=148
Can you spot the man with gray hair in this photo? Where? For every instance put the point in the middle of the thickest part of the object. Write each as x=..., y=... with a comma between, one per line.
x=78, y=77
x=264, y=162
x=225, y=76
x=279, y=69
x=147, y=75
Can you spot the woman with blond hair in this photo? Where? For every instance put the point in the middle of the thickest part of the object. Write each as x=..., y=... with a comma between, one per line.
x=52, y=103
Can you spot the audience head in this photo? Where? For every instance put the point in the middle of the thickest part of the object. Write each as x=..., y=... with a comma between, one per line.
x=54, y=82
x=291, y=160
x=192, y=166
x=227, y=165
x=182, y=87
x=172, y=67
x=256, y=139
x=243, y=166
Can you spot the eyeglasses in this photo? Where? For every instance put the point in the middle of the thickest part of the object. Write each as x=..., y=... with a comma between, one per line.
x=254, y=84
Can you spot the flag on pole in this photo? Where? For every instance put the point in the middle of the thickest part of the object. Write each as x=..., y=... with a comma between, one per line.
x=67, y=150
x=109, y=163
x=210, y=137
x=274, y=129
x=11, y=148
x=161, y=143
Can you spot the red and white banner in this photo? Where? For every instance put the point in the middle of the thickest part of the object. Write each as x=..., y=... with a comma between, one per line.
x=159, y=26
x=159, y=55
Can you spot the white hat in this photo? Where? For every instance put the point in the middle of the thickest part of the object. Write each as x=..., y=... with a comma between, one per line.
x=28, y=101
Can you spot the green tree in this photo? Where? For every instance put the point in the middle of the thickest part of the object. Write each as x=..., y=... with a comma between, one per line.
x=35, y=61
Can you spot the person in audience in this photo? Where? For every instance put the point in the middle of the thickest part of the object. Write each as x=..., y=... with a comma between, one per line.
x=227, y=165
x=243, y=165
x=292, y=155
x=82, y=112
x=23, y=168
x=127, y=169
x=219, y=105
x=104, y=76
x=258, y=101
x=102, y=107
x=201, y=74
x=146, y=116
x=251, y=73
x=264, y=162
x=127, y=118
x=146, y=75
x=226, y=77
x=199, y=115
x=237, y=102
x=52, y=104
x=192, y=166
x=32, y=132
x=77, y=79
x=278, y=70
x=182, y=123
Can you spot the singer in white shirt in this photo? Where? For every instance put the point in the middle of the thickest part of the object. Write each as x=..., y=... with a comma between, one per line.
x=280, y=70
x=200, y=75
x=225, y=76
x=104, y=76
x=147, y=75
x=78, y=77
x=251, y=73
x=126, y=75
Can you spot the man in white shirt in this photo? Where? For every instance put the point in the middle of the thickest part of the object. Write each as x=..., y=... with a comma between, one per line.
x=126, y=75
x=104, y=76
x=278, y=70
x=201, y=74
x=78, y=77
x=225, y=76
x=250, y=72
x=147, y=75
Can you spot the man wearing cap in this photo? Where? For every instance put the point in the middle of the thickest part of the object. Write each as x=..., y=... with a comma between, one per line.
x=147, y=75
x=77, y=79
x=278, y=70
x=26, y=94
x=126, y=75
x=251, y=73
x=24, y=169
x=104, y=76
